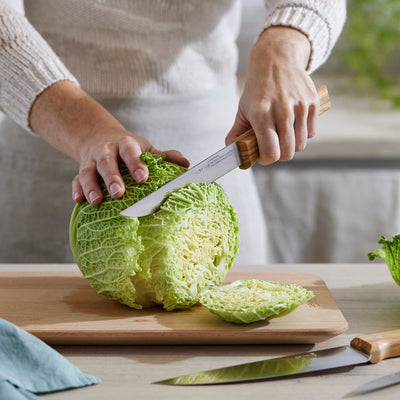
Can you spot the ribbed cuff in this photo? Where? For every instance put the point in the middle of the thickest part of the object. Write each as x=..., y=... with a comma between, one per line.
x=309, y=22
x=27, y=66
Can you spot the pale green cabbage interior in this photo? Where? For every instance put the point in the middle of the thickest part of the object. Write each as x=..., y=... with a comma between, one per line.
x=246, y=301
x=168, y=257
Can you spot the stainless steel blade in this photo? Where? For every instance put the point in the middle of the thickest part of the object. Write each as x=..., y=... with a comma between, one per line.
x=277, y=367
x=206, y=171
x=377, y=384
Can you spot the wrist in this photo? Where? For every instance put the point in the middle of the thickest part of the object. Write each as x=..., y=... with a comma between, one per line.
x=285, y=44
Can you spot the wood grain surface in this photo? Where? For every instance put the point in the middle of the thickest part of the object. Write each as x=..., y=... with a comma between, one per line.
x=60, y=307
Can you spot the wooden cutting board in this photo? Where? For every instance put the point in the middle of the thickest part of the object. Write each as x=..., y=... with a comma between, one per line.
x=61, y=308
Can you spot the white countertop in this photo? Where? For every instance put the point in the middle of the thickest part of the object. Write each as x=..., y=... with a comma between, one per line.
x=366, y=294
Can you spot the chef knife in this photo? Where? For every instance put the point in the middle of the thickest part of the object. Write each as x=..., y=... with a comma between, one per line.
x=242, y=153
x=370, y=348
x=377, y=384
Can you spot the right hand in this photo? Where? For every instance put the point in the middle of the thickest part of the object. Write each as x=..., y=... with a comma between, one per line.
x=279, y=100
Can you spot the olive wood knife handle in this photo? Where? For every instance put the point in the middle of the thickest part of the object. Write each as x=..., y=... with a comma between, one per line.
x=379, y=345
x=247, y=143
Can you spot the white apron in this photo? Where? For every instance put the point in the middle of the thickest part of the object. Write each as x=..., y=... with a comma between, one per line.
x=35, y=179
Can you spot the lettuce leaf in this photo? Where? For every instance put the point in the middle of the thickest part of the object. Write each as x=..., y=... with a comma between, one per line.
x=390, y=253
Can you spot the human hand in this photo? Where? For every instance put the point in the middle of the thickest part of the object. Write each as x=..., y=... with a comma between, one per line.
x=101, y=156
x=279, y=100
x=74, y=123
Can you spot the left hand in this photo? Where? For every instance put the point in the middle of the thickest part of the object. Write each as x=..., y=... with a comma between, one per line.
x=279, y=100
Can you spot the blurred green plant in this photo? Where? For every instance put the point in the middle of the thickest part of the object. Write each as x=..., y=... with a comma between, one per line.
x=369, y=45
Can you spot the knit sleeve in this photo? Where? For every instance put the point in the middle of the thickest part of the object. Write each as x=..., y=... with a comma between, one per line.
x=27, y=64
x=320, y=20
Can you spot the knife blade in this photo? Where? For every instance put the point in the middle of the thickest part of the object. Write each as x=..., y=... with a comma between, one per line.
x=242, y=153
x=377, y=384
x=365, y=349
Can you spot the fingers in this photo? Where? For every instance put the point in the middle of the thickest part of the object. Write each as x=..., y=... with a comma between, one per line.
x=240, y=126
x=176, y=157
x=77, y=191
x=312, y=118
x=269, y=146
x=103, y=161
x=300, y=126
x=282, y=126
x=130, y=150
x=107, y=167
x=285, y=120
x=88, y=185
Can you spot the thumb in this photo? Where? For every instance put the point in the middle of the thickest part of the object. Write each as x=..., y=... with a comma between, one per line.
x=239, y=127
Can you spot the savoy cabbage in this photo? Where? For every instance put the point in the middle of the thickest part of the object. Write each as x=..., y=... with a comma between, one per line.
x=168, y=257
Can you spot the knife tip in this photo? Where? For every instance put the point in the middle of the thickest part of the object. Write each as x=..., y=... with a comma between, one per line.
x=164, y=382
x=354, y=393
x=129, y=215
x=124, y=214
x=137, y=214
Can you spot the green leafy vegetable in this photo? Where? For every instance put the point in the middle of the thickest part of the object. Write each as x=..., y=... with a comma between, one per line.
x=390, y=253
x=247, y=301
x=168, y=257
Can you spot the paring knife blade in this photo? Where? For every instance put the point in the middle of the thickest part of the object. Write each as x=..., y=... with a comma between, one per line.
x=377, y=384
x=370, y=348
x=243, y=153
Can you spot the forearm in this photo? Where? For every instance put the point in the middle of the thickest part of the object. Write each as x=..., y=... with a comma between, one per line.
x=27, y=64
x=74, y=123
x=66, y=117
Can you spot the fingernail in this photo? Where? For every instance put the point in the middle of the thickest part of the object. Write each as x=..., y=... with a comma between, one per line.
x=76, y=196
x=93, y=196
x=114, y=189
x=139, y=175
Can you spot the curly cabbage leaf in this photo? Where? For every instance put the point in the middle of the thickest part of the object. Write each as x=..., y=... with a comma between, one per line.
x=246, y=301
x=168, y=257
x=390, y=253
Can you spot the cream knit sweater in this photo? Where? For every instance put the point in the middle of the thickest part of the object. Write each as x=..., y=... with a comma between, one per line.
x=119, y=48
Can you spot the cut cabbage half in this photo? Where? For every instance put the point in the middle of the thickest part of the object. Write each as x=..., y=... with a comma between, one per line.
x=246, y=301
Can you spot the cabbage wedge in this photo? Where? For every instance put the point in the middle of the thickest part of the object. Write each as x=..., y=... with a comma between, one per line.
x=247, y=301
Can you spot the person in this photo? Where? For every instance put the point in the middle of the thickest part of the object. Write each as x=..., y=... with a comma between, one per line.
x=97, y=82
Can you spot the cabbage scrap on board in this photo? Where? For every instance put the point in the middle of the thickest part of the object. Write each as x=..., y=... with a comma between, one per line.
x=247, y=301
x=168, y=257
x=390, y=253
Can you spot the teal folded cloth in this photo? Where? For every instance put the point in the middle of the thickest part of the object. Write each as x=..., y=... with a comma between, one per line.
x=28, y=366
